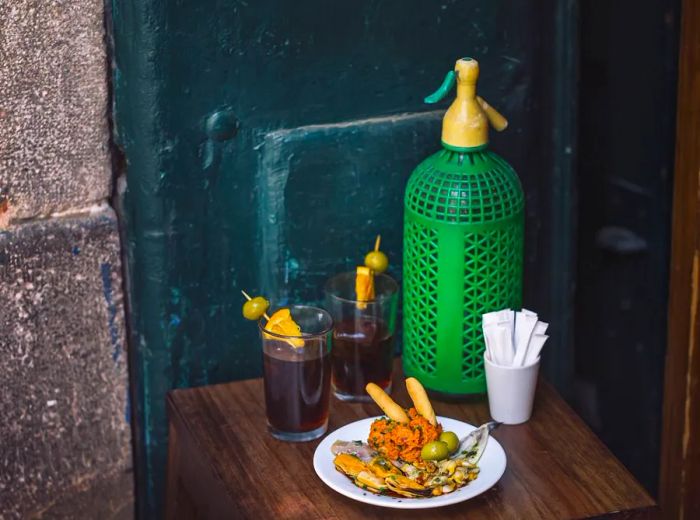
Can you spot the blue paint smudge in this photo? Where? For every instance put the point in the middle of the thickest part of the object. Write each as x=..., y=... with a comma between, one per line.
x=127, y=408
x=106, y=271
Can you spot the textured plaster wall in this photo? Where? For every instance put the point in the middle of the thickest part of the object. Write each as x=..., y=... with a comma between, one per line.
x=53, y=106
x=63, y=392
x=65, y=447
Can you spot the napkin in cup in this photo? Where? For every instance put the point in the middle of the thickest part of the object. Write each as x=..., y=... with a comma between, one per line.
x=513, y=338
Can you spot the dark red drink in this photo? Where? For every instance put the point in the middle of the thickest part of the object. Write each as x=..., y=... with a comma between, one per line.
x=362, y=353
x=296, y=389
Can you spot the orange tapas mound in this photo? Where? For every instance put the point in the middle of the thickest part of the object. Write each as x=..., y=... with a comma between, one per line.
x=398, y=441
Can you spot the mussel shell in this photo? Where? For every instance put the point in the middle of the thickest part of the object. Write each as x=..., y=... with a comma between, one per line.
x=381, y=467
x=370, y=481
x=406, y=487
x=473, y=445
x=349, y=464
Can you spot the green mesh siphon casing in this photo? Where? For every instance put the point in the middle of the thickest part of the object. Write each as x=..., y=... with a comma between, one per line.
x=463, y=256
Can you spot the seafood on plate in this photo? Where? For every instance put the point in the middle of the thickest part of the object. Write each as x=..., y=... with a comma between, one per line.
x=407, y=453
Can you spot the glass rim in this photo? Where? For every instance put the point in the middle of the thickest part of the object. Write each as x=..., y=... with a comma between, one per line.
x=304, y=335
x=378, y=299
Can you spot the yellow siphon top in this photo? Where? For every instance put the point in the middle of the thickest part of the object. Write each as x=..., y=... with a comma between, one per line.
x=466, y=122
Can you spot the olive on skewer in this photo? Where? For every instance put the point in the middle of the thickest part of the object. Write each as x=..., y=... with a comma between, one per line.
x=376, y=260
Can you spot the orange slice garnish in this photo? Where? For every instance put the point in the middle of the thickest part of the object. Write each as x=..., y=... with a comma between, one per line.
x=280, y=317
x=282, y=323
x=364, y=286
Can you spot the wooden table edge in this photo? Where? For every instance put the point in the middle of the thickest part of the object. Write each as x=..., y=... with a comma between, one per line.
x=649, y=510
x=652, y=512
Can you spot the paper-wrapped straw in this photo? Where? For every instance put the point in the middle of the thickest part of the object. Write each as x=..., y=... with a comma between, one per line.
x=513, y=338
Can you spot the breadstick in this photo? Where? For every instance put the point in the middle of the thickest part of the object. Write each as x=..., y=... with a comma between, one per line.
x=392, y=410
x=420, y=400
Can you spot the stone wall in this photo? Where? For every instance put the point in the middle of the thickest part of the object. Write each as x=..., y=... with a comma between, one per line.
x=65, y=440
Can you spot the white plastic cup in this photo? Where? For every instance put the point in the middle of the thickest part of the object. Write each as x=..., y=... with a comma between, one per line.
x=511, y=391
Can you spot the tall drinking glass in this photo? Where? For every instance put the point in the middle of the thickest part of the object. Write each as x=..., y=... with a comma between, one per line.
x=363, y=335
x=297, y=375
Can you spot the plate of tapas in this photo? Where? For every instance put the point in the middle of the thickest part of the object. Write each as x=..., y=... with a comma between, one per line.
x=409, y=458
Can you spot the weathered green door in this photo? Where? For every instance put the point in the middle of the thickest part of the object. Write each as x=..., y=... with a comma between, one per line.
x=265, y=144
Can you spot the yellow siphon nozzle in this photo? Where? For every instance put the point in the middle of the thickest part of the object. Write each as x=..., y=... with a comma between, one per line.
x=466, y=123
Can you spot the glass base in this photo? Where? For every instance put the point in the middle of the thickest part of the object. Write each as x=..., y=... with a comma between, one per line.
x=298, y=436
x=350, y=398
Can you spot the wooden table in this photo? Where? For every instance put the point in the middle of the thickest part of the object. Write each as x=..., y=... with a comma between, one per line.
x=222, y=463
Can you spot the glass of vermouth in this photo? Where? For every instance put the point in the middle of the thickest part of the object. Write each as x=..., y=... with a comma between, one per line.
x=363, y=335
x=297, y=375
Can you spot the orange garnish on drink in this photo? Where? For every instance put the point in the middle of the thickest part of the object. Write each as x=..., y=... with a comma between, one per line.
x=376, y=262
x=282, y=323
x=364, y=286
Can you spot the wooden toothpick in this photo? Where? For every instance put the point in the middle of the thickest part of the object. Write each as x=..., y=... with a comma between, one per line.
x=377, y=242
x=247, y=296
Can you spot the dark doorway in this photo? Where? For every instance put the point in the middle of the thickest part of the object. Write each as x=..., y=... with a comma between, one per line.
x=628, y=71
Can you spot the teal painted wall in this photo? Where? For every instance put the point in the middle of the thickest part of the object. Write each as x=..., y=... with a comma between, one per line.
x=266, y=143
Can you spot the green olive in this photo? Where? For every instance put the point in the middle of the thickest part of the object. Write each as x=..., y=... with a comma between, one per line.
x=377, y=261
x=254, y=309
x=436, y=450
x=451, y=439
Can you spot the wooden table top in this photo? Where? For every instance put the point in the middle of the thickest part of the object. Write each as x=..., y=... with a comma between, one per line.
x=557, y=468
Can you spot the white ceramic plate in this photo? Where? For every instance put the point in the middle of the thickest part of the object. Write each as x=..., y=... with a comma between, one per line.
x=492, y=466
